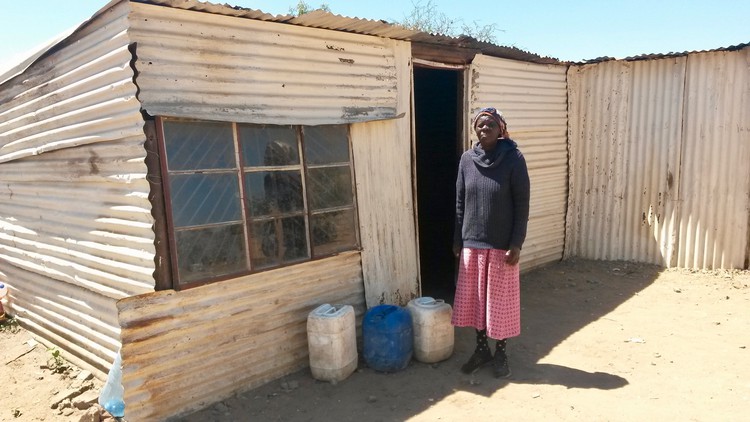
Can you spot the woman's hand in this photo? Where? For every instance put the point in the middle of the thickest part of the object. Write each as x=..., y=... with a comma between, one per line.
x=456, y=250
x=512, y=256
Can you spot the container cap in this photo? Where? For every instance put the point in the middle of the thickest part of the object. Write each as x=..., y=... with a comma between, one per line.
x=330, y=311
x=428, y=302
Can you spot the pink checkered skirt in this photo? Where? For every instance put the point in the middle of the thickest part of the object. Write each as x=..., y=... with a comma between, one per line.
x=488, y=293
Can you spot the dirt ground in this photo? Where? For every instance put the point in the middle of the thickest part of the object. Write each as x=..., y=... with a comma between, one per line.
x=605, y=341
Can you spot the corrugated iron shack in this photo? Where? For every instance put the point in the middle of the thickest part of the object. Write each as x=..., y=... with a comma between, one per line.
x=186, y=181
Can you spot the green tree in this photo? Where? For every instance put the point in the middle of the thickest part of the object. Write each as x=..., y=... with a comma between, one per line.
x=302, y=8
x=425, y=17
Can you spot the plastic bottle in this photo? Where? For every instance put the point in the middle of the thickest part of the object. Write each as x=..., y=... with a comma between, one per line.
x=111, y=397
x=3, y=293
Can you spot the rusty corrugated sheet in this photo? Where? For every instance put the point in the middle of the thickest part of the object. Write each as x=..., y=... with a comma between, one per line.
x=210, y=66
x=378, y=28
x=658, y=170
x=533, y=98
x=185, y=350
x=75, y=222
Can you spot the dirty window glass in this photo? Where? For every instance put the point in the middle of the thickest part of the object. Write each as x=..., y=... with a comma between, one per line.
x=332, y=232
x=326, y=144
x=266, y=145
x=210, y=252
x=246, y=198
x=329, y=187
x=274, y=192
x=204, y=198
x=199, y=145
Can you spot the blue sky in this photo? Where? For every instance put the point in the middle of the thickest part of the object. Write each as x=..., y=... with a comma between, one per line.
x=567, y=30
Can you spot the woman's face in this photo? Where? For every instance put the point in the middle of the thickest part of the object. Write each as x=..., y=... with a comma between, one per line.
x=487, y=131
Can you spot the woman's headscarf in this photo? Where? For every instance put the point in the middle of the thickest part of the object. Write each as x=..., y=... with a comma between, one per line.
x=497, y=115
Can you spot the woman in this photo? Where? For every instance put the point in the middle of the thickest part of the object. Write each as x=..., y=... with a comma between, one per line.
x=492, y=211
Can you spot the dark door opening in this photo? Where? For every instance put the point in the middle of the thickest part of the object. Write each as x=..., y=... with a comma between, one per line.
x=437, y=114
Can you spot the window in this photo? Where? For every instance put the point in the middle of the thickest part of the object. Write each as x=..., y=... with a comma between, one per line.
x=243, y=198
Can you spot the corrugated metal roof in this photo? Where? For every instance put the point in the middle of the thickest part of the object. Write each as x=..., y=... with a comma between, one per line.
x=379, y=28
x=654, y=56
x=316, y=19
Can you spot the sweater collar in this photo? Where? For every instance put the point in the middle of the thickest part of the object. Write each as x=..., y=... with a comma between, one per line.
x=492, y=158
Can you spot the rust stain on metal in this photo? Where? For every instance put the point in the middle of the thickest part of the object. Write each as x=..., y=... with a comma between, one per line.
x=357, y=111
x=93, y=160
x=333, y=47
x=343, y=60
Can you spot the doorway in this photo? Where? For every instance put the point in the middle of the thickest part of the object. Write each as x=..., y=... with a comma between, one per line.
x=438, y=111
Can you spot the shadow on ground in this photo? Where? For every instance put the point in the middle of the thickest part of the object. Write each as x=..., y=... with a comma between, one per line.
x=557, y=301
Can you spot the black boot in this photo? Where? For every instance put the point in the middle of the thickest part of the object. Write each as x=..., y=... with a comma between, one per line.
x=500, y=362
x=481, y=356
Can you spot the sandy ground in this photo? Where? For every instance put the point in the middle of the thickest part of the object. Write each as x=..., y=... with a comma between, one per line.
x=604, y=341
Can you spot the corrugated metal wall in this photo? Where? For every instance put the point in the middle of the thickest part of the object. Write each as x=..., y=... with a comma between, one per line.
x=625, y=129
x=194, y=64
x=533, y=98
x=715, y=179
x=659, y=153
x=75, y=224
x=185, y=350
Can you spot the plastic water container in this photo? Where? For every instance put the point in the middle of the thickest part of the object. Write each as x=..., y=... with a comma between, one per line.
x=433, y=331
x=388, y=338
x=332, y=342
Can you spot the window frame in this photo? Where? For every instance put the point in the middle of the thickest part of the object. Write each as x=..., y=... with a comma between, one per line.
x=241, y=169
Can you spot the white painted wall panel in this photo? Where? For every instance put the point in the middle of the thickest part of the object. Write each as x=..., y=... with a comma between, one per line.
x=201, y=65
x=382, y=162
x=383, y=173
x=533, y=99
x=75, y=220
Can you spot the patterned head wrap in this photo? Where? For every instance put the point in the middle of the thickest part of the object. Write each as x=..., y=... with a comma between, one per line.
x=497, y=115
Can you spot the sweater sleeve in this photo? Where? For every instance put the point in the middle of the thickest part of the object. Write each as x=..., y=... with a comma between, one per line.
x=460, y=197
x=521, y=192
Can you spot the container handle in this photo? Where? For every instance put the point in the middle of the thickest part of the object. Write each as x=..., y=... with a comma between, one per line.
x=331, y=310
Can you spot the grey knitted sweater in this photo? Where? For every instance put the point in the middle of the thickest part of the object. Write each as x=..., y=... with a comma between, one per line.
x=492, y=198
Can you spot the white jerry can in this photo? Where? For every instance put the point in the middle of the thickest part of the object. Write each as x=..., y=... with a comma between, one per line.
x=433, y=331
x=332, y=341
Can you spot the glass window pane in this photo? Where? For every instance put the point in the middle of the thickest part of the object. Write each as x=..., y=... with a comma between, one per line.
x=295, y=238
x=204, y=198
x=274, y=192
x=264, y=251
x=277, y=241
x=326, y=144
x=199, y=145
x=333, y=232
x=268, y=145
x=210, y=252
x=329, y=187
